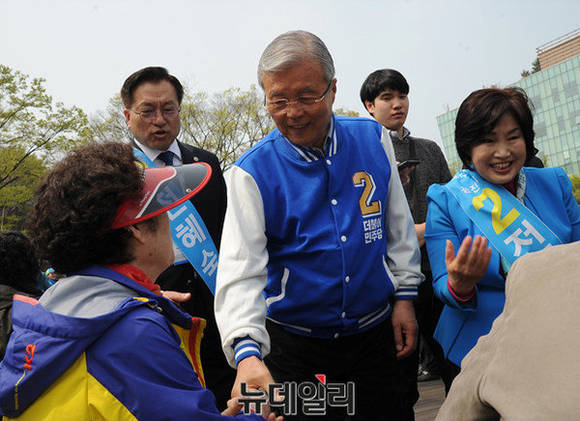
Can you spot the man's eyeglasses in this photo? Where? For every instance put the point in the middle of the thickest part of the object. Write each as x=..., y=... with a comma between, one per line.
x=167, y=113
x=281, y=104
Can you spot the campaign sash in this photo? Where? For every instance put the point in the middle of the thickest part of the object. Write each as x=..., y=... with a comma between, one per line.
x=506, y=222
x=191, y=240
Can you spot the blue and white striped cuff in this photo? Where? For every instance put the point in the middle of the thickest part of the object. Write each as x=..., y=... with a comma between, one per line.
x=246, y=347
x=406, y=293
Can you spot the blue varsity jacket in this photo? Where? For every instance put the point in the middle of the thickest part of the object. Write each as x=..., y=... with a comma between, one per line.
x=335, y=247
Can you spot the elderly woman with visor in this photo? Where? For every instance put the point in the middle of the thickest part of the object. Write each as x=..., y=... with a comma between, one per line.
x=102, y=343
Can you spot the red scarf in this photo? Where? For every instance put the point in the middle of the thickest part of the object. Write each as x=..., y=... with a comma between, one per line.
x=137, y=275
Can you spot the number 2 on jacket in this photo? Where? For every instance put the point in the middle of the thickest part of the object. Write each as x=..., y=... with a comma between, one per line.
x=367, y=207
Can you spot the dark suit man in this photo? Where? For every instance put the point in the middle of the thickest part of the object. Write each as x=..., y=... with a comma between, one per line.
x=152, y=98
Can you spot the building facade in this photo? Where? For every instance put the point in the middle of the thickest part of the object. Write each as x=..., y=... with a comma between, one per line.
x=554, y=93
x=559, y=50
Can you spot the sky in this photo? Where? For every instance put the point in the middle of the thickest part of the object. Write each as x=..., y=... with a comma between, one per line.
x=445, y=48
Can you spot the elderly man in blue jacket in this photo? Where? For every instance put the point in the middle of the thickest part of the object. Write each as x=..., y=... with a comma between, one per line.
x=319, y=261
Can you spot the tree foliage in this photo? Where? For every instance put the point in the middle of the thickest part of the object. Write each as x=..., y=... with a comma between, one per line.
x=227, y=123
x=35, y=131
x=15, y=197
x=32, y=125
x=535, y=68
x=455, y=166
x=575, y=179
x=345, y=112
x=110, y=124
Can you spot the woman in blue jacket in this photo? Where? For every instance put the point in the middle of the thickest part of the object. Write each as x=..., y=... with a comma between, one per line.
x=103, y=343
x=494, y=201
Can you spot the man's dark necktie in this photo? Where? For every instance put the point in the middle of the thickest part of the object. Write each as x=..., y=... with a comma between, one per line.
x=166, y=157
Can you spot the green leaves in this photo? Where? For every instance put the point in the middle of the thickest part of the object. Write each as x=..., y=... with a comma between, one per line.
x=34, y=133
x=227, y=123
x=575, y=179
x=108, y=125
x=345, y=112
x=17, y=187
x=30, y=120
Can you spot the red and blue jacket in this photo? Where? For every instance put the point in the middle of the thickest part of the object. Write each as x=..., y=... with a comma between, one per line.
x=100, y=346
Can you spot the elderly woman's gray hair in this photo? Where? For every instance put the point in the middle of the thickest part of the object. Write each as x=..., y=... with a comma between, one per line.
x=291, y=48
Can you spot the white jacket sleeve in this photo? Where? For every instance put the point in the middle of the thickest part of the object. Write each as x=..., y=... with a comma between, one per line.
x=403, y=255
x=240, y=307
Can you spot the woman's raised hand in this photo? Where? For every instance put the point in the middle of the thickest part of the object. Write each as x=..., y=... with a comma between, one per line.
x=468, y=266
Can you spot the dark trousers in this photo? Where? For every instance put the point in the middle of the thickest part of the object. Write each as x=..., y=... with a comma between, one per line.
x=428, y=308
x=427, y=311
x=407, y=371
x=367, y=359
x=448, y=374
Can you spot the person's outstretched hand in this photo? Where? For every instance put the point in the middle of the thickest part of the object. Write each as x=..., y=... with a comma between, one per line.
x=176, y=296
x=234, y=408
x=469, y=265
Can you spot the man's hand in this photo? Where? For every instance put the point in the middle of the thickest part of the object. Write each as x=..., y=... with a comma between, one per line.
x=254, y=373
x=468, y=266
x=404, y=328
x=420, y=230
x=405, y=174
x=176, y=297
x=234, y=408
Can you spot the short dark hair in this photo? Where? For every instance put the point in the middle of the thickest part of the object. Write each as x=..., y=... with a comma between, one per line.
x=382, y=79
x=480, y=112
x=19, y=266
x=75, y=205
x=148, y=74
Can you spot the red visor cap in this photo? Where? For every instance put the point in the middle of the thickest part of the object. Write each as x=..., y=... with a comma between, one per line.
x=163, y=189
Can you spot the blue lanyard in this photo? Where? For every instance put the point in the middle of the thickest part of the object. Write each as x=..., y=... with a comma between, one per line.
x=190, y=234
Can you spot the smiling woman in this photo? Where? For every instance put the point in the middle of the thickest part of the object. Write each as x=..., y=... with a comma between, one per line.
x=494, y=201
x=500, y=156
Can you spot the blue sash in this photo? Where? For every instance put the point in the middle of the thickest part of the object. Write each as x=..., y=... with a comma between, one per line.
x=507, y=223
x=190, y=235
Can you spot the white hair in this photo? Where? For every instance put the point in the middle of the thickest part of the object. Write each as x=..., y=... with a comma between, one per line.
x=292, y=48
